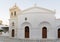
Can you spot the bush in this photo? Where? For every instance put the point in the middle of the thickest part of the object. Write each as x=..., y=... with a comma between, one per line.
x=1, y=30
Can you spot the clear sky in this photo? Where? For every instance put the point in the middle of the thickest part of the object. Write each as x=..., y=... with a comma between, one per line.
x=23, y=4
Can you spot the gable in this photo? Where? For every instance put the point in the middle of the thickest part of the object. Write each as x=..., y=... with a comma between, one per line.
x=38, y=9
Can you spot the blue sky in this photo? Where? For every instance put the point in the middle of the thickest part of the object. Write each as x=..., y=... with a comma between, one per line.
x=24, y=4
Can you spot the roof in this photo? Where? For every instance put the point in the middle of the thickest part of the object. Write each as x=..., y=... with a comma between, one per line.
x=38, y=9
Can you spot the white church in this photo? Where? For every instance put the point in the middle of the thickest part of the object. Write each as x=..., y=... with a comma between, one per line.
x=34, y=23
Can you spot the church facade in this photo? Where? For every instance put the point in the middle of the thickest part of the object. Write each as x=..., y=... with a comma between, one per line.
x=33, y=23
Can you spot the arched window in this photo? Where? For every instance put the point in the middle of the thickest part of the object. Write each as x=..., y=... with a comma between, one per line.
x=44, y=32
x=13, y=32
x=26, y=32
x=12, y=23
x=14, y=13
x=11, y=13
x=59, y=33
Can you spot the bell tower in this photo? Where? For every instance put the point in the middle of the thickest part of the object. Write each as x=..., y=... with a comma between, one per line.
x=13, y=21
x=14, y=11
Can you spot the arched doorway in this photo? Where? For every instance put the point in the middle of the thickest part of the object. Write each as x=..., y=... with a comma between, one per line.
x=27, y=32
x=44, y=32
x=59, y=33
x=13, y=32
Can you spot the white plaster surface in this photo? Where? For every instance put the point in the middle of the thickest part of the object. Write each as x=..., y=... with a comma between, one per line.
x=37, y=18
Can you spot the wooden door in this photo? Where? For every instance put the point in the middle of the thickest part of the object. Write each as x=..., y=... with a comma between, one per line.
x=58, y=33
x=44, y=32
x=26, y=32
x=12, y=32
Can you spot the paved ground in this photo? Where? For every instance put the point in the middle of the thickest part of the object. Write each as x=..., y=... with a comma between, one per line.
x=7, y=39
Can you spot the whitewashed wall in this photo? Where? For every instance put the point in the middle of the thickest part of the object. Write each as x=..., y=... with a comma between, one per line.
x=34, y=20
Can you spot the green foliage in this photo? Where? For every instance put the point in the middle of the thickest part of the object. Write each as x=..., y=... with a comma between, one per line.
x=1, y=30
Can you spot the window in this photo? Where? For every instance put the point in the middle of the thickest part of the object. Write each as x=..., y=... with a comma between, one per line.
x=12, y=23
x=14, y=13
x=44, y=32
x=25, y=18
x=11, y=13
x=59, y=33
x=26, y=32
x=13, y=32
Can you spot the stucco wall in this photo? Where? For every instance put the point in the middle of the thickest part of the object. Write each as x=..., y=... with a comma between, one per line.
x=36, y=21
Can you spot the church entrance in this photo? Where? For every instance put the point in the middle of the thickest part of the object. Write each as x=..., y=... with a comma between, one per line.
x=27, y=32
x=44, y=32
x=13, y=32
x=59, y=33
